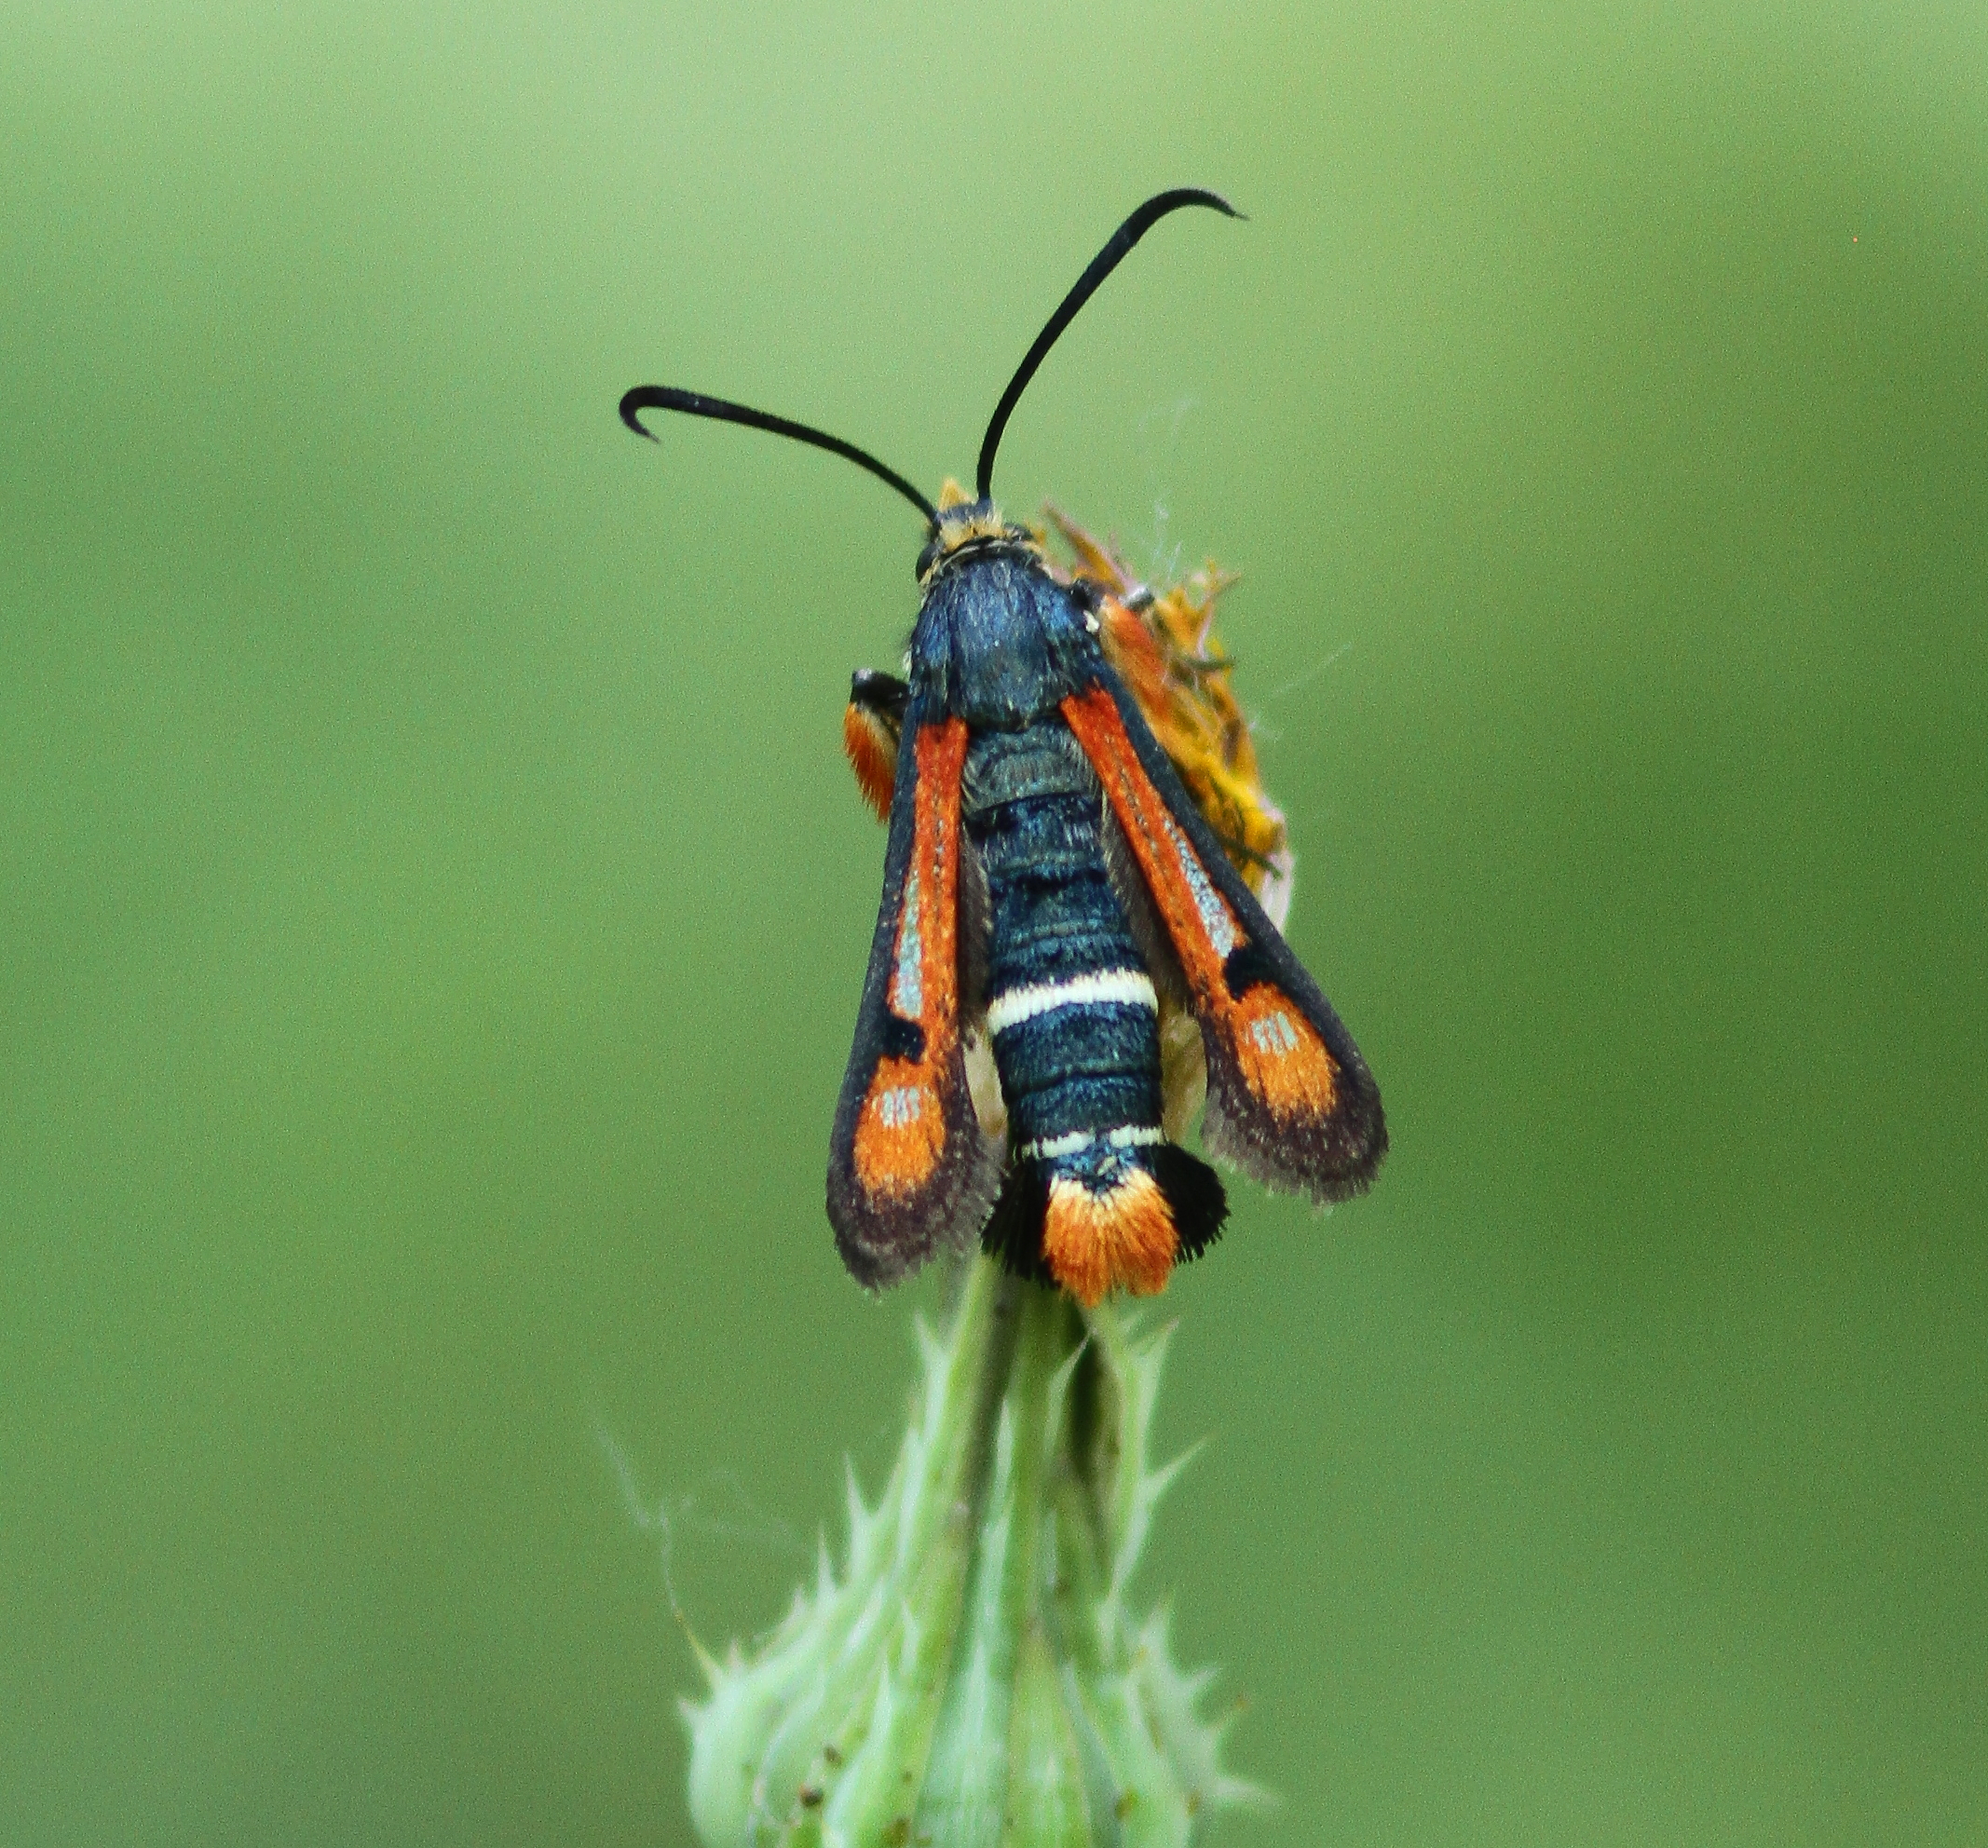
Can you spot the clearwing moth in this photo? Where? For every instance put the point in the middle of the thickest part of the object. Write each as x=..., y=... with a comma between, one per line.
x=1055, y=895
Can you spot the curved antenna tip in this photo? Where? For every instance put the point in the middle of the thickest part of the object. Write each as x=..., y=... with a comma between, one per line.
x=698, y=404
x=1117, y=247
x=632, y=405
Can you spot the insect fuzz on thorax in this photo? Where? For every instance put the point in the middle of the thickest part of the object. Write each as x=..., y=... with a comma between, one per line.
x=1066, y=948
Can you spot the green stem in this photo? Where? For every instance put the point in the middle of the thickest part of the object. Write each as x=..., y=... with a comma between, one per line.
x=972, y=1679
x=966, y=1777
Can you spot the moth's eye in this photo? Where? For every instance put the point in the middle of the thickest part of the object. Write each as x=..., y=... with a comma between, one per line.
x=1087, y=594
x=925, y=559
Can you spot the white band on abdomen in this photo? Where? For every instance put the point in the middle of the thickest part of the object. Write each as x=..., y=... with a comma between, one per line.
x=1123, y=987
x=1074, y=1142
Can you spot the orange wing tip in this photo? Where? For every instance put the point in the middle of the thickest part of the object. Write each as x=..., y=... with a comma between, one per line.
x=901, y=1132
x=1122, y=1238
x=871, y=748
x=1281, y=1056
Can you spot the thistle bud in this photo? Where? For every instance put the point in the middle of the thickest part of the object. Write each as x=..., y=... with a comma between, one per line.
x=974, y=1675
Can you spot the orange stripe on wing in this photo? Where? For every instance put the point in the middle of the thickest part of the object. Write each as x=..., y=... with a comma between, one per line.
x=901, y=1132
x=1197, y=918
x=1278, y=1055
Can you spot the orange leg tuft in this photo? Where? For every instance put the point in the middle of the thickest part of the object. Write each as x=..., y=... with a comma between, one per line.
x=872, y=749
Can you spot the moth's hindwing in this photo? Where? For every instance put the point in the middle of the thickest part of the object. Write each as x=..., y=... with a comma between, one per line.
x=909, y=1168
x=1291, y=1100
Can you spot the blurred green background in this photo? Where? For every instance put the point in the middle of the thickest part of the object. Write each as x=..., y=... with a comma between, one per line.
x=433, y=903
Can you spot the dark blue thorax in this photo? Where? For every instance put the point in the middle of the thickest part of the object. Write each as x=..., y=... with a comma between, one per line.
x=998, y=643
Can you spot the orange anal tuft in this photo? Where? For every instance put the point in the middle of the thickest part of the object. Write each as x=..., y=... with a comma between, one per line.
x=871, y=748
x=1097, y=1242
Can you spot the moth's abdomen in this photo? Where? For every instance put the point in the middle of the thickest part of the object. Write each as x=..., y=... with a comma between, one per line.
x=1070, y=1007
x=1096, y=1197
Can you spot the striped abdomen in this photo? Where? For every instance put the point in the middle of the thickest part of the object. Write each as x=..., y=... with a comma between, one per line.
x=1096, y=1197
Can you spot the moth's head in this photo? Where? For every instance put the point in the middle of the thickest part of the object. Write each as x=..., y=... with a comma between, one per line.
x=969, y=528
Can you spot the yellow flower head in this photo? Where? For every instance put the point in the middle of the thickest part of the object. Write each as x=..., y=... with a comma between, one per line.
x=1163, y=646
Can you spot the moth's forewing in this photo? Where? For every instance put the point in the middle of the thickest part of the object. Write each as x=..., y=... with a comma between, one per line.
x=910, y=1169
x=1291, y=1099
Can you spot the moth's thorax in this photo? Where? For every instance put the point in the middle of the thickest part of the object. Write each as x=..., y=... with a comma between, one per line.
x=999, y=641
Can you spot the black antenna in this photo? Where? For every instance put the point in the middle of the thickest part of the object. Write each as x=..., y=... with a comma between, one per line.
x=1102, y=264
x=694, y=404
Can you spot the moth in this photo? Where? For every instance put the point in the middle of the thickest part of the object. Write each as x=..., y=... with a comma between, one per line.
x=1052, y=894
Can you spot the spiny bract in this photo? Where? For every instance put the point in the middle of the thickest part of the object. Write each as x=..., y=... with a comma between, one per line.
x=974, y=1673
